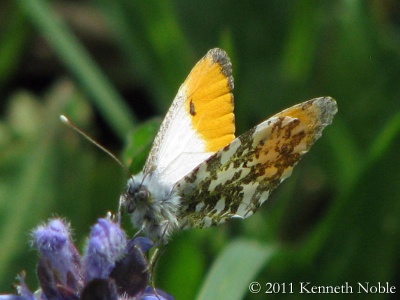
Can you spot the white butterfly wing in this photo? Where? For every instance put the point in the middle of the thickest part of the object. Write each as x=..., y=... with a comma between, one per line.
x=199, y=122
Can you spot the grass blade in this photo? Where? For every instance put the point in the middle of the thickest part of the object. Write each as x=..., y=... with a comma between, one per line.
x=80, y=64
x=232, y=272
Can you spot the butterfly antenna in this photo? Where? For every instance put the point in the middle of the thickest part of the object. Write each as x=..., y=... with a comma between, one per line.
x=67, y=122
x=144, y=177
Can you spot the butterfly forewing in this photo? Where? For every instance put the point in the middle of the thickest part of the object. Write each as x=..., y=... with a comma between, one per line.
x=199, y=122
x=236, y=180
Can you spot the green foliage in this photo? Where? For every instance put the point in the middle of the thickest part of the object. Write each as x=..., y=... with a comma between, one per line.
x=139, y=145
x=335, y=220
x=230, y=275
x=80, y=64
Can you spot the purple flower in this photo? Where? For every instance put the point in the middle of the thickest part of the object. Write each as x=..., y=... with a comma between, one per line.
x=59, y=260
x=106, y=244
x=111, y=268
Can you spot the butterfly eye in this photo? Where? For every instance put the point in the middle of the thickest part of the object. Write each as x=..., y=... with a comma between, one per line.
x=142, y=194
x=137, y=193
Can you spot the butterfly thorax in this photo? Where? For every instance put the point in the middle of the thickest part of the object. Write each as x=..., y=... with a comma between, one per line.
x=152, y=206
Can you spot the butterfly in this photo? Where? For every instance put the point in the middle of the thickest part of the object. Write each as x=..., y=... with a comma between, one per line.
x=198, y=174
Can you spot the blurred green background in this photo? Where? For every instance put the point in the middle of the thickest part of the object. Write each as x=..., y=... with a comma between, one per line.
x=113, y=65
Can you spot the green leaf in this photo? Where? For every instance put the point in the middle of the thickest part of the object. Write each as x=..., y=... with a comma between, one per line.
x=183, y=256
x=12, y=41
x=25, y=171
x=385, y=139
x=161, y=60
x=139, y=144
x=346, y=153
x=299, y=52
x=80, y=64
x=232, y=272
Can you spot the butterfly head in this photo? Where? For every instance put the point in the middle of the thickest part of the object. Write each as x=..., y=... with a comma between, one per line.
x=136, y=194
x=151, y=205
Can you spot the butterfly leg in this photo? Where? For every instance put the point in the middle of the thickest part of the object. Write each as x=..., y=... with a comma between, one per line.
x=120, y=209
x=152, y=265
x=140, y=231
x=160, y=248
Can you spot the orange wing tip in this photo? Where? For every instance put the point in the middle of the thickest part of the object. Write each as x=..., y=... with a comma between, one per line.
x=304, y=122
x=209, y=100
x=318, y=112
